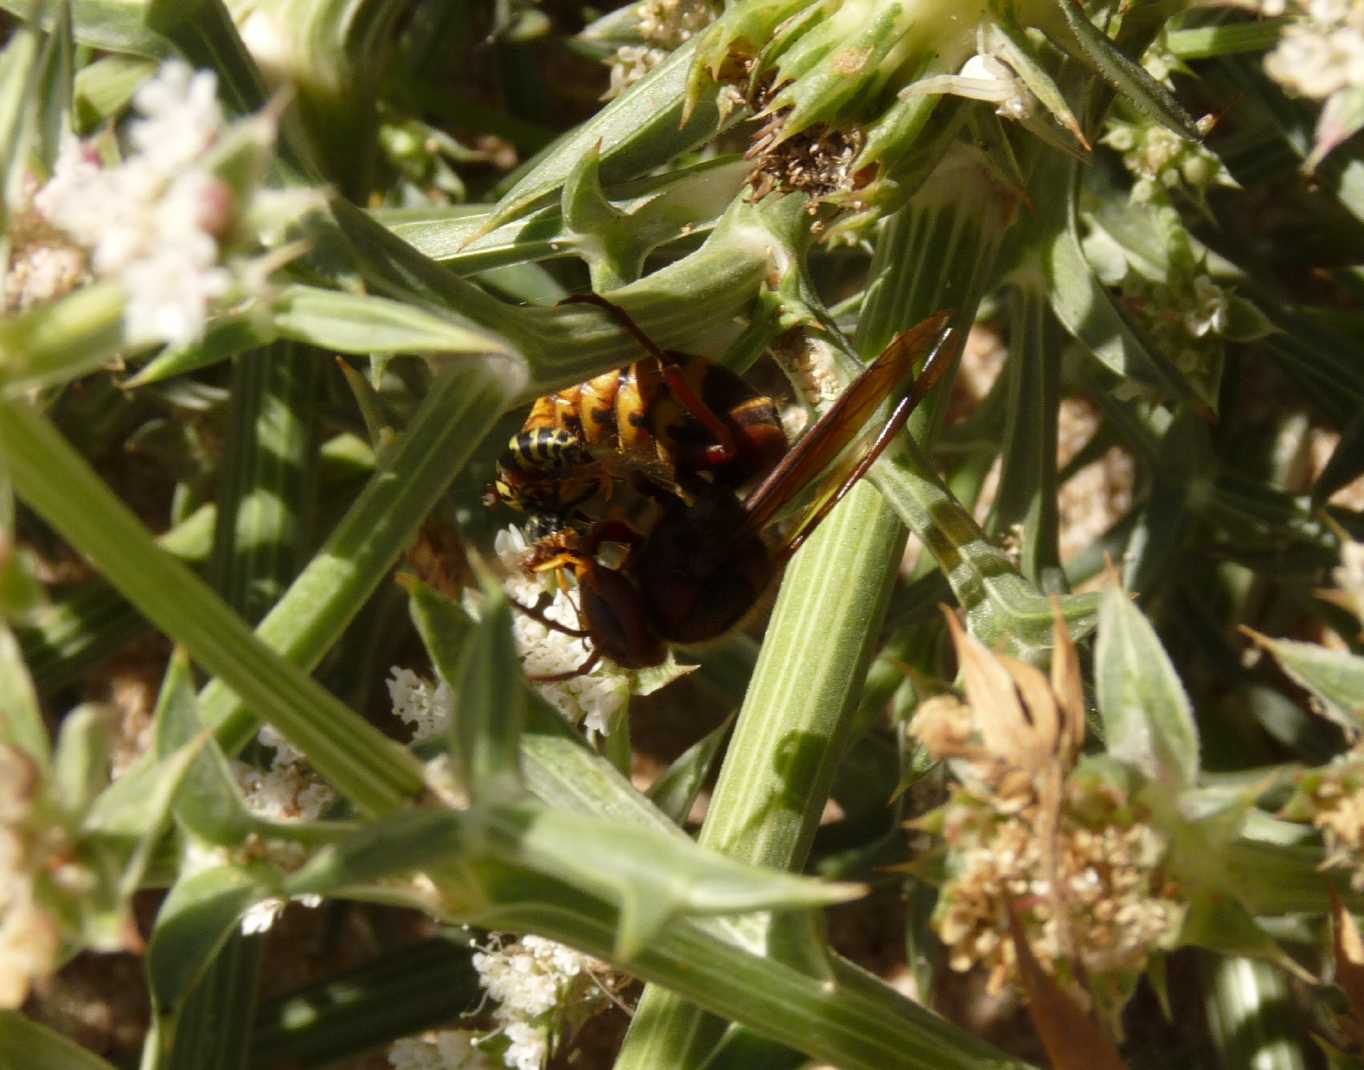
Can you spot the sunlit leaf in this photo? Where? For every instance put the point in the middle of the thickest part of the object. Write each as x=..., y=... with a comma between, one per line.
x=194, y=922
x=1146, y=713
x=1335, y=677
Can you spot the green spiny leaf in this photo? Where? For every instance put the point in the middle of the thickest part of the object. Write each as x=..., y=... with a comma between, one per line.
x=361, y=324
x=389, y=847
x=1127, y=77
x=637, y=131
x=1335, y=677
x=654, y=878
x=1148, y=722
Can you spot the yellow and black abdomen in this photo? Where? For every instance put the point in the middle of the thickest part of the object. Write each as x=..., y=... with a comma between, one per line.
x=629, y=421
x=750, y=418
x=613, y=410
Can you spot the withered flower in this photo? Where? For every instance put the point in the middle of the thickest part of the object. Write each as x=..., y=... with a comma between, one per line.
x=1029, y=832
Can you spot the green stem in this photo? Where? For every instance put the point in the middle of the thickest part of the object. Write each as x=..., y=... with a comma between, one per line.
x=266, y=487
x=460, y=409
x=1028, y=483
x=790, y=733
x=941, y=252
x=794, y=722
x=265, y=495
x=59, y=485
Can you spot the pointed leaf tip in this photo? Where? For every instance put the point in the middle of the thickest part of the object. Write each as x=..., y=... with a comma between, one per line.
x=1144, y=707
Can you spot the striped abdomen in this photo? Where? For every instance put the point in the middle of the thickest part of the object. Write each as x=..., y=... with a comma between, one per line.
x=575, y=441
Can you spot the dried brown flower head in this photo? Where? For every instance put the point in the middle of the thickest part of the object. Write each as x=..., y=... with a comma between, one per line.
x=1068, y=856
x=816, y=161
x=1332, y=797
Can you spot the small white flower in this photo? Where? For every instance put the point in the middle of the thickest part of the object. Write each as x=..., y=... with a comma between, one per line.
x=596, y=699
x=1160, y=160
x=1322, y=51
x=154, y=222
x=529, y=1047
x=529, y=976
x=288, y=791
x=427, y=707
x=285, y=752
x=1210, y=311
x=261, y=917
x=168, y=298
x=534, y=981
x=663, y=25
x=669, y=23
x=180, y=119
x=629, y=65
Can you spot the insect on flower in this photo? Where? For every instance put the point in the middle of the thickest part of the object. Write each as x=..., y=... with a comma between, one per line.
x=705, y=558
x=671, y=420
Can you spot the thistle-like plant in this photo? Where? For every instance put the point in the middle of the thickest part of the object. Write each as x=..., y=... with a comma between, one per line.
x=282, y=278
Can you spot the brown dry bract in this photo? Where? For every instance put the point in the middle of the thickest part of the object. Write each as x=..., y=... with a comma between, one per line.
x=1074, y=1040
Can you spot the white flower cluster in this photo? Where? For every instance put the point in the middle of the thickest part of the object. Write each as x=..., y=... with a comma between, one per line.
x=1322, y=51
x=1189, y=315
x=439, y=1049
x=154, y=222
x=1118, y=906
x=1189, y=318
x=535, y=983
x=1209, y=312
x=427, y=707
x=44, y=263
x=595, y=700
x=663, y=25
x=288, y=791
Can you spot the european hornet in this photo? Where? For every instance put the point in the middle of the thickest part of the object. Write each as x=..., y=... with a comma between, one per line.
x=658, y=422
x=703, y=561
